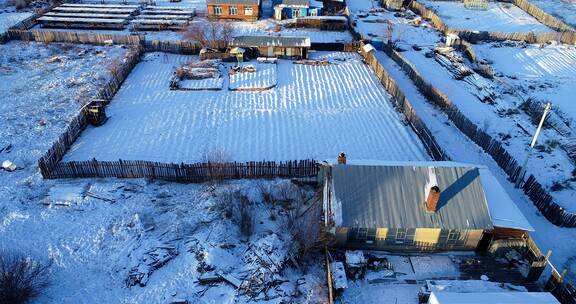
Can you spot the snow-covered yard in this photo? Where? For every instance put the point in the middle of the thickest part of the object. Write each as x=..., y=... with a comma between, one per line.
x=39, y=98
x=11, y=18
x=547, y=73
x=313, y=112
x=410, y=275
x=562, y=9
x=499, y=17
x=96, y=244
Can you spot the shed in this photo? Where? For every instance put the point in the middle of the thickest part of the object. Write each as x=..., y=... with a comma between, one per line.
x=414, y=206
x=492, y=298
x=275, y=46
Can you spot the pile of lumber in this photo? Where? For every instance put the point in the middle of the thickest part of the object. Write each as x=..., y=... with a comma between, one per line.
x=88, y=16
x=153, y=259
x=454, y=63
x=312, y=62
x=157, y=18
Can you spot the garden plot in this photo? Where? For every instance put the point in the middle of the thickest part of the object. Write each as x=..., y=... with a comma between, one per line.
x=404, y=28
x=505, y=121
x=313, y=112
x=562, y=9
x=42, y=87
x=546, y=73
x=499, y=17
x=262, y=78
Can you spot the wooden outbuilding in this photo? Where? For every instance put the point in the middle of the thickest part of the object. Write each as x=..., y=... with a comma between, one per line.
x=422, y=206
x=272, y=46
x=243, y=10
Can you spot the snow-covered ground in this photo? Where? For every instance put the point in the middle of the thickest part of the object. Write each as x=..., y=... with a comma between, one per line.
x=562, y=9
x=547, y=73
x=8, y=19
x=499, y=17
x=39, y=98
x=265, y=77
x=411, y=273
x=95, y=244
x=313, y=112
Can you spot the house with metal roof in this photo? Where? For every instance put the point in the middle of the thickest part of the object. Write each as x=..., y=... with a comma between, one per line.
x=244, y=10
x=274, y=46
x=514, y=297
x=416, y=206
x=288, y=9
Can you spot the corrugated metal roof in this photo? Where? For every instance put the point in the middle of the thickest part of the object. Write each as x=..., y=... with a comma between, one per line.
x=259, y=41
x=375, y=196
x=292, y=2
x=246, y=2
x=492, y=297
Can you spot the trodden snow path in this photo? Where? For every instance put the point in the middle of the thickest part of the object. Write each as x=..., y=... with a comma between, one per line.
x=314, y=112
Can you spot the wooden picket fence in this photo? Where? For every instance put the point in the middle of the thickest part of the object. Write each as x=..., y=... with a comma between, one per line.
x=185, y=173
x=564, y=33
x=535, y=191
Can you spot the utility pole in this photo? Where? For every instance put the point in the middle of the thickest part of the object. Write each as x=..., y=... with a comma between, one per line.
x=520, y=178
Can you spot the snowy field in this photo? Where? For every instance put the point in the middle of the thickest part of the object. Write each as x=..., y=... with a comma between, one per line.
x=562, y=9
x=500, y=17
x=313, y=112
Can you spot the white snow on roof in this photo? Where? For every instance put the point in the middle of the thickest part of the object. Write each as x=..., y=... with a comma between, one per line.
x=503, y=210
x=492, y=298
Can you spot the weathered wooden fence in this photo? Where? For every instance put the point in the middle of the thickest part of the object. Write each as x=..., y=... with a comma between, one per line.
x=535, y=191
x=52, y=36
x=172, y=46
x=565, y=34
x=186, y=173
x=403, y=105
x=49, y=161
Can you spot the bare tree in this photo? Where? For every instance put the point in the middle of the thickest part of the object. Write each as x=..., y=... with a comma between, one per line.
x=21, y=278
x=210, y=34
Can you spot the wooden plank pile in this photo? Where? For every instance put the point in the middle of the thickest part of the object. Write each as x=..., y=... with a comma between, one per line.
x=158, y=18
x=89, y=16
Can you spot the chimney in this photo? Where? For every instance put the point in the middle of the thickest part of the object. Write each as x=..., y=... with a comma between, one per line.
x=432, y=200
x=342, y=158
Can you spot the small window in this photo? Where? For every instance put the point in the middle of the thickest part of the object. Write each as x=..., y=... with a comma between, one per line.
x=453, y=236
x=295, y=12
x=362, y=235
x=233, y=10
x=248, y=11
x=313, y=12
x=400, y=236
x=217, y=10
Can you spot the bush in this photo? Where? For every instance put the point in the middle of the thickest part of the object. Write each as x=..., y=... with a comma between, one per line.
x=21, y=278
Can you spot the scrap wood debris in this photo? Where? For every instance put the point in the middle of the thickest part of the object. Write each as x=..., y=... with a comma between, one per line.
x=153, y=259
x=454, y=63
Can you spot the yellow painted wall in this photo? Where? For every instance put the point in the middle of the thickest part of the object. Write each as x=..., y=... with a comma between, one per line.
x=474, y=237
x=427, y=235
x=341, y=236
